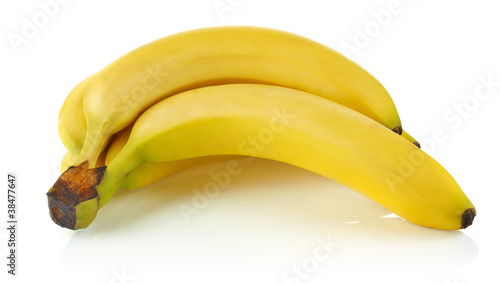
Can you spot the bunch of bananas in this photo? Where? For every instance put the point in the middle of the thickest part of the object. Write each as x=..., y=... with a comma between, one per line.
x=215, y=93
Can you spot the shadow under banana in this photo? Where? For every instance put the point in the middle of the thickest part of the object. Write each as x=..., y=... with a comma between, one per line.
x=267, y=208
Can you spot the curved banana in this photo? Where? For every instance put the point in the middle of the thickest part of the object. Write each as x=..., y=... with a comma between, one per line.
x=411, y=139
x=222, y=55
x=69, y=161
x=280, y=124
x=149, y=172
x=71, y=122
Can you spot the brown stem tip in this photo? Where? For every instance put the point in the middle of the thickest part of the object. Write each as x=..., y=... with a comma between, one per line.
x=398, y=130
x=417, y=144
x=76, y=185
x=468, y=217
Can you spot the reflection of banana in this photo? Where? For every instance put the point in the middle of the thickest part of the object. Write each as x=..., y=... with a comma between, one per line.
x=71, y=124
x=222, y=55
x=285, y=125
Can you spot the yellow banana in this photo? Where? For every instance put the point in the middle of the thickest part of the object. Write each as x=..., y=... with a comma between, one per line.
x=150, y=172
x=71, y=123
x=69, y=160
x=280, y=124
x=411, y=139
x=143, y=175
x=222, y=55
x=73, y=127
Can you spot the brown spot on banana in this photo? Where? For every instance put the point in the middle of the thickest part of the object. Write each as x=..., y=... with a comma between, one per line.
x=398, y=130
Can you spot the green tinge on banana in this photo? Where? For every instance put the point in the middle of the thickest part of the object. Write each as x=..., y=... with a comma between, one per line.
x=300, y=129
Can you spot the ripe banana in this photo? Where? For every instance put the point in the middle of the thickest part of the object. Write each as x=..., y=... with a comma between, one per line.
x=71, y=123
x=222, y=55
x=69, y=160
x=280, y=124
x=73, y=127
x=149, y=172
x=411, y=139
x=72, y=130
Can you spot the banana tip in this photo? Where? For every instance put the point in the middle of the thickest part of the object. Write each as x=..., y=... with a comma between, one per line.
x=468, y=217
x=398, y=130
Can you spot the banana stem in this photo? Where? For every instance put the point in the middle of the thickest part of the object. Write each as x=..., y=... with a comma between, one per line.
x=73, y=200
x=116, y=173
x=95, y=142
x=80, y=192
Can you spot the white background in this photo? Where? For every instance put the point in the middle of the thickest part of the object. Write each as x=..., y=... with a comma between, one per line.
x=272, y=217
